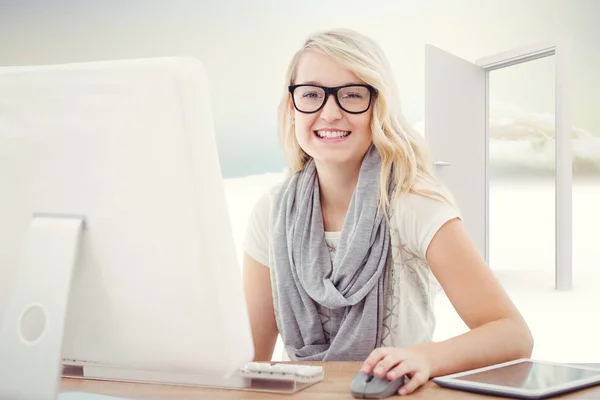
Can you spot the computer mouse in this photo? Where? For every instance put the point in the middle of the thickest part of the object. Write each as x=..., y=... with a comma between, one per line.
x=369, y=386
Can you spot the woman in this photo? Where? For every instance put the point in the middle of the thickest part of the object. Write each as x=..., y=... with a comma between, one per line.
x=343, y=257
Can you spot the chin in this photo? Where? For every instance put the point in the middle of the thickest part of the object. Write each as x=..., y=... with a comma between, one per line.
x=340, y=153
x=333, y=157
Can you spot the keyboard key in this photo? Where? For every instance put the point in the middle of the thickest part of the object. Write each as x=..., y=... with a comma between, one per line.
x=283, y=371
x=309, y=371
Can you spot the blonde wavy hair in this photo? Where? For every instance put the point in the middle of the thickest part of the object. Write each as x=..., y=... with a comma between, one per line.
x=404, y=153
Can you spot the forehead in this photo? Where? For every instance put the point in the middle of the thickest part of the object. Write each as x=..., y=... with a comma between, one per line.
x=316, y=67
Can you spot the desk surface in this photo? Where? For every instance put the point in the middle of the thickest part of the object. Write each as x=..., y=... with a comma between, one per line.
x=336, y=385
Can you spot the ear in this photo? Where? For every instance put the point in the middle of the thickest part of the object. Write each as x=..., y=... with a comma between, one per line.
x=291, y=108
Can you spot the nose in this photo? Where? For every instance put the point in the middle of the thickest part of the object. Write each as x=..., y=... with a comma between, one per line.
x=331, y=111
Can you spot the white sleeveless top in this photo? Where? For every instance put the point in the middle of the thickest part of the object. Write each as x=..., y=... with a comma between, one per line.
x=408, y=317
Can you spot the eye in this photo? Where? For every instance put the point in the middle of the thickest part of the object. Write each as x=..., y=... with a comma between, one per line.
x=353, y=96
x=311, y=95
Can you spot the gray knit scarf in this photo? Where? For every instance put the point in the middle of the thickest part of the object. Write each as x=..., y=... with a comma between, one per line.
x=352, y=286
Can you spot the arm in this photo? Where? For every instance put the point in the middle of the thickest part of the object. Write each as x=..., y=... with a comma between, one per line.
x=497, y=333
x=434, y=232
x=257, y=289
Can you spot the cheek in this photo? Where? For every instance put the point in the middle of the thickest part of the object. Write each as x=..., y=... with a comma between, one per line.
x=304, y=125
x=362, y=123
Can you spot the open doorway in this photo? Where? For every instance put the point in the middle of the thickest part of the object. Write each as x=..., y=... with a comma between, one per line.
x=457, y=109
x=522, y=174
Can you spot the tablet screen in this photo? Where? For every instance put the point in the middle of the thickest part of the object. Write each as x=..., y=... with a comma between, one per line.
x=529, y=375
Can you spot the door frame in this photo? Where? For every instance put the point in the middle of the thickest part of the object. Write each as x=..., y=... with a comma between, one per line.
x=560, y=48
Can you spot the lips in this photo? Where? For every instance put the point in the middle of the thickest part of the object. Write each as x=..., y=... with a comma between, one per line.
x=331, y=134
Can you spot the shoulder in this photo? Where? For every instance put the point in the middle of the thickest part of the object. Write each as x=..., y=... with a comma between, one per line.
x=264, y=204
x=256, y=241
x=419, y=214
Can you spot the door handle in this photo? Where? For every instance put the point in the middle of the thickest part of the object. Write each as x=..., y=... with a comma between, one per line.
x=441, y=164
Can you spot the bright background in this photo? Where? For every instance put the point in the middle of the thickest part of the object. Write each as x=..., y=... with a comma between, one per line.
x=246, y=47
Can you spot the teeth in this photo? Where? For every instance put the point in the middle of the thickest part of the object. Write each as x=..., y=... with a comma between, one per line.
x=332, y=134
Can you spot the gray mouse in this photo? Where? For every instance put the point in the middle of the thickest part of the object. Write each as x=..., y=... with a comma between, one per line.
x=369, y=386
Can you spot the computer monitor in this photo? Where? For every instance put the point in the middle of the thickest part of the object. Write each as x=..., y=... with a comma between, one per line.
x=116, y=249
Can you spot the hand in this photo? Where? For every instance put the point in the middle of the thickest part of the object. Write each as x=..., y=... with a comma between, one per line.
x=393, y=362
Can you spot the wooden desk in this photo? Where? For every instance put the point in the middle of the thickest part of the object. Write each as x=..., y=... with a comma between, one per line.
x=335, y=386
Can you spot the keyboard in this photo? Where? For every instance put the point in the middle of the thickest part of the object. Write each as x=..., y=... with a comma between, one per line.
x=295, y=372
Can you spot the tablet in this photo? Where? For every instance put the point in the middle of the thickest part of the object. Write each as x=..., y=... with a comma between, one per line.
x=523, y=379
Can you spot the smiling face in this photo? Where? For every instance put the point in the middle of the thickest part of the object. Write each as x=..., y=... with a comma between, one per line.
x=331, y=135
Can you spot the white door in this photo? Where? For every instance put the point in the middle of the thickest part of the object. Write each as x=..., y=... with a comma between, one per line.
x=455, y=129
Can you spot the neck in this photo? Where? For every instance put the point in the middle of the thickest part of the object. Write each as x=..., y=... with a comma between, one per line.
x=336, y=186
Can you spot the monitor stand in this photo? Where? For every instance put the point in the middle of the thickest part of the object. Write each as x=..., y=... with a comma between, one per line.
x=32, y=332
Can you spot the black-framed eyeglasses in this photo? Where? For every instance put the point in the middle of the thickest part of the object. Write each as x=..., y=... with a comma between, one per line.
x=353, y=99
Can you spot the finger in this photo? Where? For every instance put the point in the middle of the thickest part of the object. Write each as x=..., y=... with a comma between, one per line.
x=413, y=384
x=402, y=368
x=388, y=362
x=375, y=356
